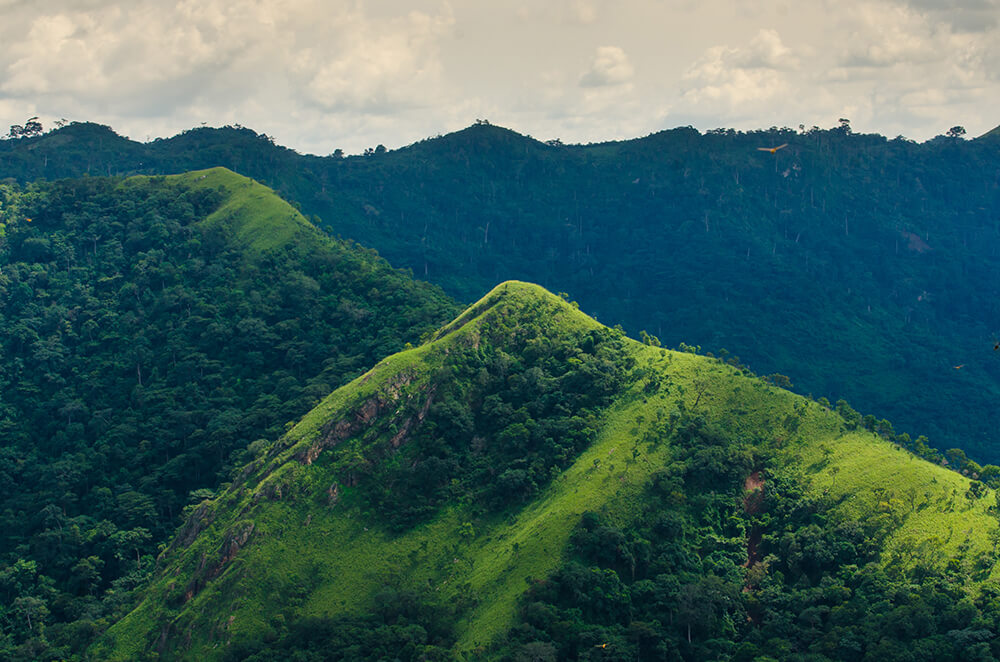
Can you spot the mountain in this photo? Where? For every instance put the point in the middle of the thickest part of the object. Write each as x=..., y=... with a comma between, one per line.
x=156, y=329
x=859, y=266
x=529, y=484
x=992, y=133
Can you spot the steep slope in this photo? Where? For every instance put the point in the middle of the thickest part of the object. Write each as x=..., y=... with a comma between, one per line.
x=992, y=134
x=861, y=267
x=154, y=328
x=459, y=470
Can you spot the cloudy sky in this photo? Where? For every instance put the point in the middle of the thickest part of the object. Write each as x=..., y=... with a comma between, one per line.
x=317, y=75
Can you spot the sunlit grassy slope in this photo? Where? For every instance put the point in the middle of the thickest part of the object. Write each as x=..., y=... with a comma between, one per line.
x=253, y=217
x=282, y=543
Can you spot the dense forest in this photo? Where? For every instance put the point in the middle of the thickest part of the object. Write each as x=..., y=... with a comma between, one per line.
x=859, y=266
x=151, y=344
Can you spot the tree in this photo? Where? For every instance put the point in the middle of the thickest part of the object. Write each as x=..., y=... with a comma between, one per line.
x=30, y=607
x=648, y=339
x=779, y=380
x=956, y=132
x=31, y=128
x=34, y=128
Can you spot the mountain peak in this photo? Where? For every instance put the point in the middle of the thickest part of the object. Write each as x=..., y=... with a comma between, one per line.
x=519, y=297
x=252, y=216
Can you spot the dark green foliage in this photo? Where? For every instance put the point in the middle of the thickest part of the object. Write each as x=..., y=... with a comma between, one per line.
x=508, y=414
x=122, y=413
x=141, y=355
x=676, y=583
x=402, y=626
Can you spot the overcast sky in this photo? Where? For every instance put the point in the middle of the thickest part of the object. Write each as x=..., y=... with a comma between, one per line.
x=319, y=75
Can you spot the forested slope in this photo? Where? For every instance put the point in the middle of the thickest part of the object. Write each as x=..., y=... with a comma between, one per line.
x=532, y=485
x=154, y=330
x=861, y=267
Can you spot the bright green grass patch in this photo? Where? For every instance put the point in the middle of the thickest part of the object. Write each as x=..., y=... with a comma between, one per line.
x=533, y=545
x=513, y=292
x=869, y=476
x=252, y=216
x=257, y=218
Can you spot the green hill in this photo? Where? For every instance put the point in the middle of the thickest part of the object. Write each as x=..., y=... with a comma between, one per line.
x=860, y=266
x=532, y=485
x=156, y=329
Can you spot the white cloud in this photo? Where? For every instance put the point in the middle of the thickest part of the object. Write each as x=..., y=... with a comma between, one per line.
x=610, y=66
x=732, y=77
x=883, y=35
x=584, y=13
x=257, y=63
x=765, y=51
x=378, y=67
x=319, y=74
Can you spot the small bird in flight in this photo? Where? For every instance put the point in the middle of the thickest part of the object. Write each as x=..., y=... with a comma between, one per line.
x=773, y=150
x=959, y=367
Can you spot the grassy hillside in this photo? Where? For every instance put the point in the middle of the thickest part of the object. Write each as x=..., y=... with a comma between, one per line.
x=155, y=328
x=303, y=533
x=252, y=217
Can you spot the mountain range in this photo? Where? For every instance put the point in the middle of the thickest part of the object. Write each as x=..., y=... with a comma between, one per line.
x=860, y=267
x=227, y=435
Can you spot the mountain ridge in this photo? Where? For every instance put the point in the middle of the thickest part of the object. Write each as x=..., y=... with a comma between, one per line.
x=683, y=234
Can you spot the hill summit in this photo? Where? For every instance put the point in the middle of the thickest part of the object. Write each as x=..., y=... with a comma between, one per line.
x=529, y=483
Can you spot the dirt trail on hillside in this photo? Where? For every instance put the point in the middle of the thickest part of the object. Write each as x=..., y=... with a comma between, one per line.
x=753, y=501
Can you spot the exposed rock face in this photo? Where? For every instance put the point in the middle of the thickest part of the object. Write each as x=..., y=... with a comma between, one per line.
x=368, y=411
x=198, y=521
x=235, y=539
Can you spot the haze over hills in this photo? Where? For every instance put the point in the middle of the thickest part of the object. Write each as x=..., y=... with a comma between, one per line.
x=532, y=485
x=861, y=267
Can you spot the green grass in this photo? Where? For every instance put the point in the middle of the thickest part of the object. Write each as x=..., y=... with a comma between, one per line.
x=309, y=556
x=252, y=216
x=869, y=476
x=259, y=220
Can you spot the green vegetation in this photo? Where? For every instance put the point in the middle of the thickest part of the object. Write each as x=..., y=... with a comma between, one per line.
x=156, y=331
x=861, y=267
x=694, y=497
x=524, y=483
